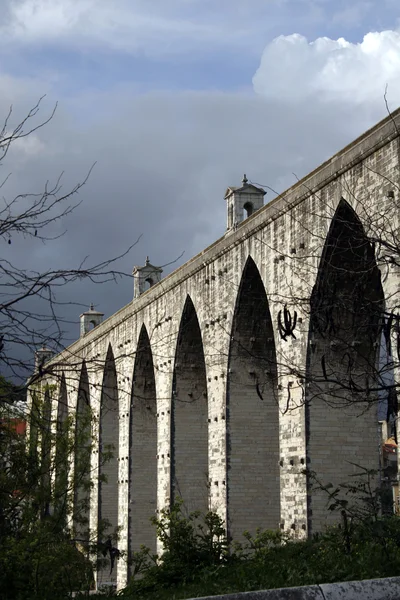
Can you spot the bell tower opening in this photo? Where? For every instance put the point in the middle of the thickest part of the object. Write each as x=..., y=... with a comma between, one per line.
x=247, y=210
x=148, y=284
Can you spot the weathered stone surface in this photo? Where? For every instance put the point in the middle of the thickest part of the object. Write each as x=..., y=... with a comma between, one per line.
x=310, y=592
x=372, y=589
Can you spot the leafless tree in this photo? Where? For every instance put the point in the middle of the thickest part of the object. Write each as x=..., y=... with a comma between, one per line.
x=31, y=315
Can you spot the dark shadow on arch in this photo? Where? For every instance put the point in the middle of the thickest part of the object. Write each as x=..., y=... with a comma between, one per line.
x=346, y=309
x=142, y=449
x=82, y=456
x=248, y=210
x=39, y=443
x=108, y=458
x=34, y=427
x=252, y=412
x=45, y=452
x=189, y=422
x=61, y=453
x=347, y=258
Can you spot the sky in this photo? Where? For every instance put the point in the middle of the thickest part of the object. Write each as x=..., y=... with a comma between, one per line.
x=174, y=100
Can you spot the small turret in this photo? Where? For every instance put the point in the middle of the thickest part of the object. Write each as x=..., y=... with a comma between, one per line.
x=242, y=202
x=145, y=277
x=42, y=356
x=90, y=319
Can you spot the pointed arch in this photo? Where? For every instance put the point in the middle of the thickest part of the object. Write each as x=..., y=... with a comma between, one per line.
x=253, y=494
x=61, y=452
x=62, y=405
x=348, y=281
x=189, y=422
x=108, y=452
x=82, y=458
x=45, y=451
x=34, y=420
x=142, y=449
x=346, y=308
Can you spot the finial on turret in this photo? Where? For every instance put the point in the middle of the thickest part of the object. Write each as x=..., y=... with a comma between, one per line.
x=147, y=261
x=91, y=306
x=244, y=180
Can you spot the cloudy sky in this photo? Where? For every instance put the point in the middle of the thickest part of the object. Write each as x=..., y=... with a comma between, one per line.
x=174, y=100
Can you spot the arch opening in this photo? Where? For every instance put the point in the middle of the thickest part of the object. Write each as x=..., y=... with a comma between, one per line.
x=343, y=354
x=142, y=449
x=248, y=210
x=82, y=457
x=45, y=459
x=189, y=422
x=108, y=460
x=230, y=215
x=252, y=412
x=148, y=283
x=388, y=410
x=61, y=453
x=34, y=424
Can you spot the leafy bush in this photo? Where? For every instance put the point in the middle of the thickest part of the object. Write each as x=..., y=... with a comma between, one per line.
x=42, y=564
x=198, y=561
x=193, y=544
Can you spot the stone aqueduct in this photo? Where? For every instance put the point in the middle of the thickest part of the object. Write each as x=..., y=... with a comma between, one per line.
x=195, y=387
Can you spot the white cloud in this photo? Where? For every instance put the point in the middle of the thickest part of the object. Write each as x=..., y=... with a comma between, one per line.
x=26, y=147
x=126, y=25
x=156, y=28
x=293, y=69
x=185, y=28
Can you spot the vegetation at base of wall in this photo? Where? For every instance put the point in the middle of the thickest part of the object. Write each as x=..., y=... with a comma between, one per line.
x=41, y=557
x=42, y=563
x=270, y=560
x=200, y=561
x=321, y=560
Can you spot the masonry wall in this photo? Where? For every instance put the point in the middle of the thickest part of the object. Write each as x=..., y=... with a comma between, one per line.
x=285, y=240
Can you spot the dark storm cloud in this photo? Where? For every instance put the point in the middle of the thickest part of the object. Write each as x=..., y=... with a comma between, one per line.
x=163, y=163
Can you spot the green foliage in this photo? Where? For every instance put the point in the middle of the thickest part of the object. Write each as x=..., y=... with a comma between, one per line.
x=42, y=563
x=268, y=560
x=192, y=545
x=198, y=561
x=192, y=541
x=11, y=394
x=40, y=557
